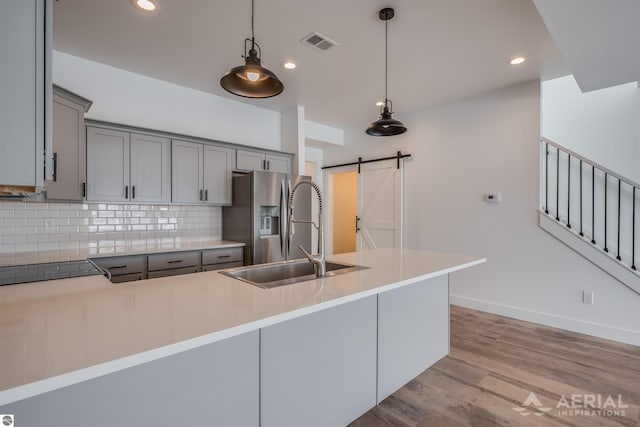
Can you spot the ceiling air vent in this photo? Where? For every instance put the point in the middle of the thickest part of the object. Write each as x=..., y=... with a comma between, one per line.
x=318, y=41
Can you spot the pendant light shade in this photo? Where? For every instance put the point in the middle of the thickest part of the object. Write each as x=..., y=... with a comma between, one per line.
x=251, y=80
x=386, y=125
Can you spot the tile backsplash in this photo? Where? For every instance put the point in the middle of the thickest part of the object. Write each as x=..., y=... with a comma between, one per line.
x=34, y=226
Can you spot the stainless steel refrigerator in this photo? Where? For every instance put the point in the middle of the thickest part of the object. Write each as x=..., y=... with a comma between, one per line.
x=258, y=216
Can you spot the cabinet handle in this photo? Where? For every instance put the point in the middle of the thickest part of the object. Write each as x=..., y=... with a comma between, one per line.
x=133, y=192
x=200, y=195
x=206, y=195
x=126, y=191
x=264, y=164
x=357, y=220
x=55, y=167
x=268, y=165
x=175, y=261
x=84, y=189
x=224, y=256
x=116, y=267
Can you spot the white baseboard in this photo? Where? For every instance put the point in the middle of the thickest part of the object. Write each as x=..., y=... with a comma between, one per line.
x=626, y=336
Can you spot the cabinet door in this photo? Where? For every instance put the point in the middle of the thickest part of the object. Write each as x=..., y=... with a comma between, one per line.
x=218, y=165
x=22, y=91
x=319, y=369
x=249, y=160
x=107, y=165
x=186, y=172
x=69, y=144
x=413, y=332
x=277, y=163
x=150, y=168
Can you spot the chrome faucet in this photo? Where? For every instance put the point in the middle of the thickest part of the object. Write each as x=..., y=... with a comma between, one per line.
x=318, y=259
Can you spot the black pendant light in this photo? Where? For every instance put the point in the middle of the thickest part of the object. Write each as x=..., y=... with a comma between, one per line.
x=251, y=80
x=386, y=125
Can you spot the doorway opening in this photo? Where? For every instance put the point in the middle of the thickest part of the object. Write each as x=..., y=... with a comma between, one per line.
x=345, y=196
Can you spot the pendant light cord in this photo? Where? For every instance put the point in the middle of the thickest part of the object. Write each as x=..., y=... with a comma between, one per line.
x=386, y=58
x=253, y=37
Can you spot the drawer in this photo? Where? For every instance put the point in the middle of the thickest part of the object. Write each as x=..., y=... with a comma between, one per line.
x=173, y=260
x=127, y=278
x=223, y=255
x=173, y=272
x=212, y=267
x=119, y=265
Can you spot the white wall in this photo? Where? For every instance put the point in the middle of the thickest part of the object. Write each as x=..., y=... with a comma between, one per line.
x=121, y=96
x=490, y=143
x=603, y=125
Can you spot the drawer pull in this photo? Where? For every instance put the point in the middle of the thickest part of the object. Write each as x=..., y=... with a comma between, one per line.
x=115, y=267
x=175, y=262
x=224, y=256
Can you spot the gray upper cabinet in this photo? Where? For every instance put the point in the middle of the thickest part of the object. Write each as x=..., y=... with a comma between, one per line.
x=150, y=166
x=201, y=173
x=108, y=160
x=123, y=167
x=69, y=142
x=255, y=160
x=25, y=90
x=217, y=168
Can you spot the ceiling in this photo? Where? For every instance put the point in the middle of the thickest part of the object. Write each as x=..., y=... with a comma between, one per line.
x=601, y=43
x=440, y=50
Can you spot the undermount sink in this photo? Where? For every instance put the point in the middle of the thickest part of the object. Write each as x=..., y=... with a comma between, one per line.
x=283, y=273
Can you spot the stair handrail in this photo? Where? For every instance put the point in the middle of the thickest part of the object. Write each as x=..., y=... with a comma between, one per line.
x=590, y=162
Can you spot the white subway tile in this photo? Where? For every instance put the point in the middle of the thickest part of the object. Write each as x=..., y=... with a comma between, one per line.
x=14, y=239
x=51, y=246
x=38, y=238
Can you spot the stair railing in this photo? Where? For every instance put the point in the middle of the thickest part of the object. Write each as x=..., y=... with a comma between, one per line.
x=572, y=202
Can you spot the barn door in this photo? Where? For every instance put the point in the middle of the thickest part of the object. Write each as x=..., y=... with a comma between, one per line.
x=379, y=217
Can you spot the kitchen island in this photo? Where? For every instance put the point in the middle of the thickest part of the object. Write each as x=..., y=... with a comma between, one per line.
x=206, y=349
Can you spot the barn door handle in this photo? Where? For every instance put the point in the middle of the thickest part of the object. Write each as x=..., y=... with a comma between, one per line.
x=357, y=228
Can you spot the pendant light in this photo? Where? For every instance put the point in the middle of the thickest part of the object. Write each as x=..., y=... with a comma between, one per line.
x=386, y=125
x=251, y=80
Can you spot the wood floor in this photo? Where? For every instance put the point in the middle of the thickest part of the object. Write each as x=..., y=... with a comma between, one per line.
x=494, y=365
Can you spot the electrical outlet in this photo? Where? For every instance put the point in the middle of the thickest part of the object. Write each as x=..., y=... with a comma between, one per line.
x=587, y=297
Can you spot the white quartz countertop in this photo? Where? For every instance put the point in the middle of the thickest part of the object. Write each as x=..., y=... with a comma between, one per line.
x=62, y=332
x=125, y=247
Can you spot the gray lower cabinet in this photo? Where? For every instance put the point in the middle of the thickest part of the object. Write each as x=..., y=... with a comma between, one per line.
x=214, y=385
x=217, y=259
x=319, y=370
x=413, y=332
x=124, y=268
x=173, y=264
x=69, y=144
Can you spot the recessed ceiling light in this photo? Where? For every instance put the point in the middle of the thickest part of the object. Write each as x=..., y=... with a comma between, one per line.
x=147, y=5
x=517, y=60
x=289, y=65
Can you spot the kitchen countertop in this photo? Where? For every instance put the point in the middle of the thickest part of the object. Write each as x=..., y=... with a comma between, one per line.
x=125, y=247
x=57, y=333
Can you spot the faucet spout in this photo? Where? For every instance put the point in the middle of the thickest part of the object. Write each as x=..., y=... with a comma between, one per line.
x=318, y=260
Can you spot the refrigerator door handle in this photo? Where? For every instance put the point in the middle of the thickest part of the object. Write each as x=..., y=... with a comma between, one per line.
x=283, y=219
x=289, y=232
